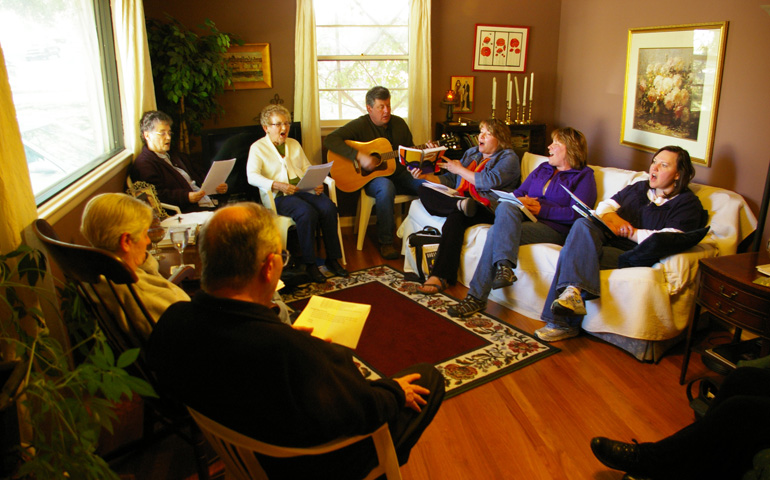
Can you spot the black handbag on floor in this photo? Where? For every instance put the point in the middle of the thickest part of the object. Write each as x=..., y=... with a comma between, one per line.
x=424, y=246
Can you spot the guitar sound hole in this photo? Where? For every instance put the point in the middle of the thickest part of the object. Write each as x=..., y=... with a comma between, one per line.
x=380, y=165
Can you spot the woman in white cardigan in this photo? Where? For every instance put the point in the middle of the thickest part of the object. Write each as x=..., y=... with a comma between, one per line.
x=277, y=163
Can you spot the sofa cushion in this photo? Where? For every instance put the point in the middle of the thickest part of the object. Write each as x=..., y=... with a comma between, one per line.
x=660, y=245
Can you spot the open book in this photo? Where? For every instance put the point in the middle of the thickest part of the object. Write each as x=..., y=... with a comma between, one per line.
x=511, y=198
x=588, y=212
x=341, y=322
x=440, y=187
x=424, y=159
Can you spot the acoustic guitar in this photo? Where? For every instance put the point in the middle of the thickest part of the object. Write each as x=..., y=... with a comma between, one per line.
x=350, y=176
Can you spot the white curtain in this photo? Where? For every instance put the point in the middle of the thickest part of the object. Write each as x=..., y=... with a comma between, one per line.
x=419, y=71
x=134, y=69
x=306, y=108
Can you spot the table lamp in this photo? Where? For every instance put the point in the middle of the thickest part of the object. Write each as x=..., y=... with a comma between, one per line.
x=450, y=100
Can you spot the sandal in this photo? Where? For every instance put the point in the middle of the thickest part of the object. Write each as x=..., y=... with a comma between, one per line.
x=432, y=288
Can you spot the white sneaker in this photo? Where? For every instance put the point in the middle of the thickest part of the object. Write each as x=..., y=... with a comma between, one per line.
x=553, y=333
x=569, y=303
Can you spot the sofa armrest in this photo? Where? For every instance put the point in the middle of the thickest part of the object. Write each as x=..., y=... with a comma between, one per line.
x=681, y=270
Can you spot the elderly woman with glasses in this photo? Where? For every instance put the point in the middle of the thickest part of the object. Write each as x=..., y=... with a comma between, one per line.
x=118, y=223
x=172, y=173
x=276, y=164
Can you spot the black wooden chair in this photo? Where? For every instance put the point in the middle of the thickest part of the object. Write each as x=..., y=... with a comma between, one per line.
x=88, y=266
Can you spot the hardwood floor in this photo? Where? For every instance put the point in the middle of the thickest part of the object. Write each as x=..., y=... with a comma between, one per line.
x=535, y=423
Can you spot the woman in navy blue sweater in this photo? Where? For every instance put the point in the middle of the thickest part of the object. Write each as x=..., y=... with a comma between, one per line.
x=664, y=203
x=542, y=194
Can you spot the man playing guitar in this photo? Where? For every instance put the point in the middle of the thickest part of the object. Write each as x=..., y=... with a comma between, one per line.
x=378, y=123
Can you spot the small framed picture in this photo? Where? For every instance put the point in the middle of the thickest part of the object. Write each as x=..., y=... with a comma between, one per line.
x=463, y=88
x=250, y=64
x=500, y=48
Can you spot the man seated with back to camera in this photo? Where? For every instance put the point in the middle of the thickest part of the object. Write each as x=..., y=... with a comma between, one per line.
x=227, y=355
x=378, y=123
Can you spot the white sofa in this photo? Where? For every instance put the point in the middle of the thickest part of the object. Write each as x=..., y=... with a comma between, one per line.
x=643, y=310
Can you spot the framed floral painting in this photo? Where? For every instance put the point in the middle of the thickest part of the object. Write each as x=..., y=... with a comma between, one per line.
x=673, y=78
x=500, y=49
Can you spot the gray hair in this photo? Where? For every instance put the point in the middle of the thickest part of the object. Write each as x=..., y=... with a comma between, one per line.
x=234, y=243
x=270, y=110
x=110, y=215
x=152, y=118
x=377, y=93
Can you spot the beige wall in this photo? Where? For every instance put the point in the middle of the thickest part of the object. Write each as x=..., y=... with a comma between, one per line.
x=591, y=73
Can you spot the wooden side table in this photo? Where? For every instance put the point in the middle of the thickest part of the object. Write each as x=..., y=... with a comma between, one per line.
x=727, y=291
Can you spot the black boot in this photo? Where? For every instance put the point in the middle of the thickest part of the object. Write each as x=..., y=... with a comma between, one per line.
x=315, y=273
x=334, y=266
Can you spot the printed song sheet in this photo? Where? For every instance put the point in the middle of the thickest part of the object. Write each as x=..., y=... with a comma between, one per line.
x=217, y=175
x=341, y=322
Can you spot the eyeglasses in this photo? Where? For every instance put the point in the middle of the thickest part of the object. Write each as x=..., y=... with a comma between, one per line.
x=285, y=256
x=163, y=134
x=285, y=124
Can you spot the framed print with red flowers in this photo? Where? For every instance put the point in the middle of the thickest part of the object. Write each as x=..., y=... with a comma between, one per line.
x=500, y=48
x=673, y=78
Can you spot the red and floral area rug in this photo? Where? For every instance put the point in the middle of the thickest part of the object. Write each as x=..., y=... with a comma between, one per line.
x=407, y=327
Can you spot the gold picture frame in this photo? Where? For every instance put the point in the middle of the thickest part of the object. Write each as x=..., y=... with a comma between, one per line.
x=463, y=88
x=250, y=64
x=673, y=79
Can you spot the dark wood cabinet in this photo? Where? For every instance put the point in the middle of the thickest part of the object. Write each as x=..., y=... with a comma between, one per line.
x=525, y=138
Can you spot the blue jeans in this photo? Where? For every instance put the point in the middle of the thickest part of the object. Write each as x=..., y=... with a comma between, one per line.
x=586, y=252
x=384, y=191
x=308, y=211
x=509, y=231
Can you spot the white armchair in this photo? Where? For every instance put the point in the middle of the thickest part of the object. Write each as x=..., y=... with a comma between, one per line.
x=284, y=223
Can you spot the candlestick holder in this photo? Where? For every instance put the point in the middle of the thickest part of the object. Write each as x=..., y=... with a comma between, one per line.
x=508, y=113
x=529, y=116
x=518, y=112
x=493, y=111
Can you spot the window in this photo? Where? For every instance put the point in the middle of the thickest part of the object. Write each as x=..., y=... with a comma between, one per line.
x=62, y=71
x=360, y=44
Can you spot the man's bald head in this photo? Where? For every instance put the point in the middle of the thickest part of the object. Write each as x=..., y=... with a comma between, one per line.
x=234, y=243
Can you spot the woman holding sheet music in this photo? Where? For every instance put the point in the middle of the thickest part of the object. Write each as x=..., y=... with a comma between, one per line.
x=544, y=199
x=277, y=163
x=492, y=165
x=172, y=173
x=642, y=210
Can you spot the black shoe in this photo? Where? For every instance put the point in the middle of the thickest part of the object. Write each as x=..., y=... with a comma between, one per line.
x=468, y=206
x=315, y=273
x=618, y=455
x=388, y=251
x=504, y=277
x=334, y=266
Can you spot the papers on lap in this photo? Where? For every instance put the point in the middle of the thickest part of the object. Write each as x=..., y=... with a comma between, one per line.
x=587, y=212
x=440, y=187
x=424, y=159
x=510, y=198
x=341, y=322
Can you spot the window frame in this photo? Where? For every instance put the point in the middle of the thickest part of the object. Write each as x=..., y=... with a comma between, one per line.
x=330, y=124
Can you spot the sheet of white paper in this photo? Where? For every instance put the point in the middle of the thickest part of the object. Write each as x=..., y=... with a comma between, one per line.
x=217, y=175
x=314, y=176
x=342, y=322
x=510, y=197
x=440, y=187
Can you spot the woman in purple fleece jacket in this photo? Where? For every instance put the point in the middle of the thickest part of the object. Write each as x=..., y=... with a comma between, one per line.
x=542, y=194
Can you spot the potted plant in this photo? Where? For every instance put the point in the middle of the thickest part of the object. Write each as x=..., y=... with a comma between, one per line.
x=189, y=70
x=66, y=397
